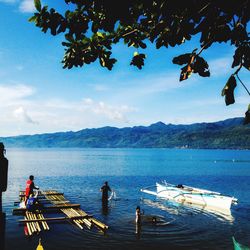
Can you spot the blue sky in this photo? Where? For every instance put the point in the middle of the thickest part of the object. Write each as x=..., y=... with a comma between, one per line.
x=38, y=96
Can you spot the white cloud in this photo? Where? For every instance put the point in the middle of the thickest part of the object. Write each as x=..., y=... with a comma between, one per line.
x=116, y=113
x=88, y=101
x=14, y=94
x=112, y=112
x=27, y=6
x=220, y=66
x=21, y=114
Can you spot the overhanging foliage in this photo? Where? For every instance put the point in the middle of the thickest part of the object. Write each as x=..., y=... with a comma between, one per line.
x=93, y=26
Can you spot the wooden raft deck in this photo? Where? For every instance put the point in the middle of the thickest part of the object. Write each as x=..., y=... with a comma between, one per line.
x=55, y=202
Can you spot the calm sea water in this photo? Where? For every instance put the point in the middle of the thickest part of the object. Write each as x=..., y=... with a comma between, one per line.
x=79, y=173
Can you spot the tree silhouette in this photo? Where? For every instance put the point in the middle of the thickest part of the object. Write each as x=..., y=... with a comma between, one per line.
x=91, y=27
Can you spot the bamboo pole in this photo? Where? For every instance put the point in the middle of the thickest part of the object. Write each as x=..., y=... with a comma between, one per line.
x=98, y=223
x=54, y=207
x=43, y=223
x=58, y=201
x=36, y=222
x=33, y=223
x=23, y=194
x=32, y=226
x=69, y=214
x=51, y=219
x=78, y=224
x=86, y=221
x=77, y=214
x=28, y=226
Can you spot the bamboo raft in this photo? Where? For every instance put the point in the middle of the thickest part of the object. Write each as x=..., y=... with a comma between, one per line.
x=55, y=202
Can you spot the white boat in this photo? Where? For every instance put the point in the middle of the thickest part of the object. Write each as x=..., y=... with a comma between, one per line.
x=191, y=195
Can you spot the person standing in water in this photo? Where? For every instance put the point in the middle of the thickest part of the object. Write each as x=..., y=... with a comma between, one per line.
x=105, y=189
x=3, y=172
x=138, y=215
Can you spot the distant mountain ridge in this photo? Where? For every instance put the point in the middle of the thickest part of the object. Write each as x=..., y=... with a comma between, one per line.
x=227, y=134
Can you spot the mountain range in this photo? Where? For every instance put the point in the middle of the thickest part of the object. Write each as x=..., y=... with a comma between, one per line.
x=227, y=134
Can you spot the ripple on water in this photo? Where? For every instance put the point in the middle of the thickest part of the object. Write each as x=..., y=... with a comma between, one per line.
x=188, y=227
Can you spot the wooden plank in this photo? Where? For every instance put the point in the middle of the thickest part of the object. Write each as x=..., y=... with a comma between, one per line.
x=43, y=194
x=53, y=219
x=46, y=209
x=44, y=201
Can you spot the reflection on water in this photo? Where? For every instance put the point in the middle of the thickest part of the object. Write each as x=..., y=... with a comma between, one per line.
x=138, y=230
x=175, y=208
x=105, y=208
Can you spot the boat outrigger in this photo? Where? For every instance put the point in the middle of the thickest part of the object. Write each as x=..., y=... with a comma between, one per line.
x=190, y=195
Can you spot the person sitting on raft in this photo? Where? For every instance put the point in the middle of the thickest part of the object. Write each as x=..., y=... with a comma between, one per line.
x=30, y=186
x=32, y=203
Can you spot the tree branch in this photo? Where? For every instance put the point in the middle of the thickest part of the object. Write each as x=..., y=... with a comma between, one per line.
x=130, y=32
x=237, y=71
x=203, y=47
x=243, y=84
x=203, y=8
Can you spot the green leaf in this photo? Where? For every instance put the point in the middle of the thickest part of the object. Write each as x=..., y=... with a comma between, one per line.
x=182, y=59
x=200, y=66
x=138, y=60
x=69, y=38
x=100, y=34
x=37, y=4
x=228, y=90
x=32, y=19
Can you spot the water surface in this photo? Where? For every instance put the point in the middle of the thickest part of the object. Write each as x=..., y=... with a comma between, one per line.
x=79, y=173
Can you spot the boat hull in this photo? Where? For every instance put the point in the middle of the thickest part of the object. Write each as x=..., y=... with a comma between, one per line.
x=182, y=195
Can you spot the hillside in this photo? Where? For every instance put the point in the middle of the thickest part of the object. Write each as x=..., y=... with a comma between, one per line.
x=229, y=134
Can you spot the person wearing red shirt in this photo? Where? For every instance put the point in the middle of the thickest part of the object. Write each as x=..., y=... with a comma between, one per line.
x=30, y=186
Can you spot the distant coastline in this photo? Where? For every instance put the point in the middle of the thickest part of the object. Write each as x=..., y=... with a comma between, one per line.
x=227, y=134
